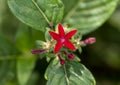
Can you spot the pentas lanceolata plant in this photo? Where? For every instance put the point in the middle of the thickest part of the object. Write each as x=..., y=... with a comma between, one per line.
x=62, y=45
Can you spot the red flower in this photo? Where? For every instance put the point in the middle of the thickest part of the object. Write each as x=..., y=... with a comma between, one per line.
x=62, y=38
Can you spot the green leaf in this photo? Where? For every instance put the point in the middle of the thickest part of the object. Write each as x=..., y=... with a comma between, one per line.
x=77, y=59
x=25, y=65
x=6, y=47
x=24, y=39
x=29, y=14
x=2, y=10
x=80, y=49
x=69, y=6
x=72, y=73
x=47, y=35
x=7, y=63
x=49, y=56
x=40, y=44
x=33, y=79
x=88, y=15
x=38, y=35
x=114, y=19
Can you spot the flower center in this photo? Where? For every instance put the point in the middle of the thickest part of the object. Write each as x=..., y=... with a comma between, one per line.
x=62, y=40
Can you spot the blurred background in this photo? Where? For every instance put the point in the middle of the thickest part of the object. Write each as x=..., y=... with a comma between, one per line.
x=101, y=58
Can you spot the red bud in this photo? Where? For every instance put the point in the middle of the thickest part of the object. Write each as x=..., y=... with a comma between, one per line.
x=90, y=40
x=62, y=62
x=70, y=56
x=38, y=51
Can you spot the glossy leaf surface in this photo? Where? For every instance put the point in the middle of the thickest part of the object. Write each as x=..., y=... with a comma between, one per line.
x=29, y=14
x=72, y=73
x=88, y=15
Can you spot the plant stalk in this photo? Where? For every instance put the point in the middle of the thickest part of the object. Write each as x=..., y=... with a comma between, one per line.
x=66, y=75
x=40, y=10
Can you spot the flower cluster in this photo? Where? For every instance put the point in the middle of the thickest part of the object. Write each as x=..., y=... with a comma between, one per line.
x=63, y=40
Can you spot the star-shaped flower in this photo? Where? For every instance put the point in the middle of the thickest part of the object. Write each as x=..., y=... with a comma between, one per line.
x=62, y=38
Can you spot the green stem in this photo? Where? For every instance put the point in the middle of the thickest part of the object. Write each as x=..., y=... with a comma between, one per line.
x=66, y=75
x=40, y=10
x=10, y=58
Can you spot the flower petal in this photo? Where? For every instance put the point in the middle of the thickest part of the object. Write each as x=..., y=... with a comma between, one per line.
x=54, y=35
x=70, y=34
x=61, y=30
x=69, y=45
x=57, y=47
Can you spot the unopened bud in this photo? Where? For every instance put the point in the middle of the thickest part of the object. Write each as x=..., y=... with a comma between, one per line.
x=70, y=56
x=88, y=41
x=38, y=51
x=62, y=62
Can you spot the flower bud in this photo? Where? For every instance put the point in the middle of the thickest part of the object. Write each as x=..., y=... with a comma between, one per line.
x=70, y=56
x=62, y=62
x=90, y=40
x=37, y=51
